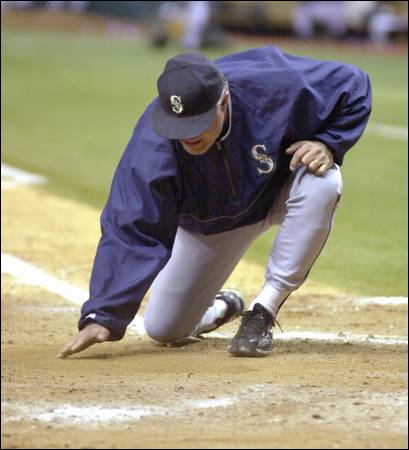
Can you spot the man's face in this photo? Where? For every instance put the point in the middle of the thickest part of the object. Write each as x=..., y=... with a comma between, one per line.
x=201, y=144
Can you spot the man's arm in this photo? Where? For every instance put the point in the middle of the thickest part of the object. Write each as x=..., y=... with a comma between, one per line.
x=138, y=225
x=331, y=110
x=348, y=99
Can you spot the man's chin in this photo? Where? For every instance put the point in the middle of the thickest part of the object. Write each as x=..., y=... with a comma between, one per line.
x=195, y=150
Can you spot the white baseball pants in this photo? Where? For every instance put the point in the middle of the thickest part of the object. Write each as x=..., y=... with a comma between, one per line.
x=182, y=298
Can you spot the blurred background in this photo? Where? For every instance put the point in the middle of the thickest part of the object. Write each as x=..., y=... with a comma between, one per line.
x=76, y=75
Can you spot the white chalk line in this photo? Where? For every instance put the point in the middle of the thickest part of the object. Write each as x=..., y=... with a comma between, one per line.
x=17, y=177
x=29, y=274
x=330, y=338
x=97, y=415
x=382, y=301
x=393, y=404
x=388, y=131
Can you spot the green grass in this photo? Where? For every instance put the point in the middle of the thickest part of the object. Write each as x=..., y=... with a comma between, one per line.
x=70, y=102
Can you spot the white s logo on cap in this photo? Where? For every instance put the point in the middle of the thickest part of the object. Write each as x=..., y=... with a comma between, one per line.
x=177, y=105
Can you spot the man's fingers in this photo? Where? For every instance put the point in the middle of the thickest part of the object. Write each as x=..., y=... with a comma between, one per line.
x=321, y=171
x=83, y=343
x=314, y=155
x=293, y=147
x=315, y=164
x=311, y=156
x=66, y=351
x=79, y=343
x=88, y=336
x=298, y=155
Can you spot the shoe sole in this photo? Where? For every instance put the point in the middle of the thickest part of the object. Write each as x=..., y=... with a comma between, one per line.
x=245, y=350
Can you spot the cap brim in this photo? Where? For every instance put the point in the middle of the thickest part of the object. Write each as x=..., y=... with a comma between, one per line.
x=173, y=127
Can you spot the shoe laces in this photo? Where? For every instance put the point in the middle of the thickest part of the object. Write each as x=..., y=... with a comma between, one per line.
x=257, y=321
x=279, y=326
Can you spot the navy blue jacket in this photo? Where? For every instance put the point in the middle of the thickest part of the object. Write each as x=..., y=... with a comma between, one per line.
x=276, y=100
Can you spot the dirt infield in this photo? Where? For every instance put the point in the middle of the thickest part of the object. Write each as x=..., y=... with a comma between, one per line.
x=138, y=394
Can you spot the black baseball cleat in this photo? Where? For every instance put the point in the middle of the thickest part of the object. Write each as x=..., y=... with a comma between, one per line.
x=235, y=307
x=254, y=337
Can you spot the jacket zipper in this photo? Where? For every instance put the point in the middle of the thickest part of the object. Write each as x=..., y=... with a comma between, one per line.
x=226, y=165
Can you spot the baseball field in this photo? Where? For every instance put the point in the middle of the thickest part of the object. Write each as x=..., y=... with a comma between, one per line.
x=337, y=377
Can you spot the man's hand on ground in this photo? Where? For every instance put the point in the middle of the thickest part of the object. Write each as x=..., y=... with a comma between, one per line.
x=314, y=155
x=91, y=334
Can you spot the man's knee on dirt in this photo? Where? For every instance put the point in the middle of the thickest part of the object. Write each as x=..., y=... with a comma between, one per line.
x=164, y=332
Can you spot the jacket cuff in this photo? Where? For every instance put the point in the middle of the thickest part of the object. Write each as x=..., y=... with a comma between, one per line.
x=114, y=333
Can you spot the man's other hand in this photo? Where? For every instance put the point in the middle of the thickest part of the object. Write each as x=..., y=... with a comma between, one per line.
x=91, y=334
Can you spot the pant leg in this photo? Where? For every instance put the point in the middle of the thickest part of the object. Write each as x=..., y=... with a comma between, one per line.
x=197, y=270
x=308, y=204
x=200, y=264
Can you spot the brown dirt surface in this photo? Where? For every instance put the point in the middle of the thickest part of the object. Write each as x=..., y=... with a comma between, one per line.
x=137, y=394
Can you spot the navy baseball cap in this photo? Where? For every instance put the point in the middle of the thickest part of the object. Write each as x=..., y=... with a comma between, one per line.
x=189, y=89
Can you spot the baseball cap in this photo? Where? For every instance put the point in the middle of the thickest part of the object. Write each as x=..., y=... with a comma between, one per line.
x=189, y=89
